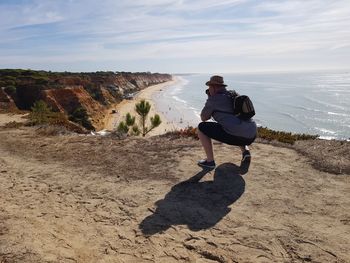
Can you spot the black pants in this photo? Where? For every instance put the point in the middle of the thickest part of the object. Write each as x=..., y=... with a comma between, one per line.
x=215, y=131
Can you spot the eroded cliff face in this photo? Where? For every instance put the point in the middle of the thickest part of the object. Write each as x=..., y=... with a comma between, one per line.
x=66, y=92
x=67, y=100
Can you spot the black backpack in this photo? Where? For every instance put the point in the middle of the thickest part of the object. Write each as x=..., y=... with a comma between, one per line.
x=242, y=105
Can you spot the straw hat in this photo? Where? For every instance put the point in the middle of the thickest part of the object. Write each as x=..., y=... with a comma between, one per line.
x=216, y=80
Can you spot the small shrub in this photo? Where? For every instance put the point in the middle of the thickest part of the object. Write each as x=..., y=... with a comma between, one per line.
x=10, y=90
x=13, y=124
x=41, y=113
x=123, y=127
x=80, y=116
x=188, y=132
x=52, y=130
x=263, y=133
x=284, y=137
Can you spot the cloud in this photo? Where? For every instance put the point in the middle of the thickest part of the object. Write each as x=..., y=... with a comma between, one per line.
x=66, y=31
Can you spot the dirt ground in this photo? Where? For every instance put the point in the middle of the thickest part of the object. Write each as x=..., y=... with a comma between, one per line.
x=79, y=198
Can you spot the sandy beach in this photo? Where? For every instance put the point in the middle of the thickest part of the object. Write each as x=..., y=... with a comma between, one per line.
x=128, y=106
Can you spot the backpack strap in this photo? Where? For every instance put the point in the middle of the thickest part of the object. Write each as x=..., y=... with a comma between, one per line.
x=231, y=94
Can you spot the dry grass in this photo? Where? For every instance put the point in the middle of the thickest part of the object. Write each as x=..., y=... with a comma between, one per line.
x=13, y=124
x=330, y=156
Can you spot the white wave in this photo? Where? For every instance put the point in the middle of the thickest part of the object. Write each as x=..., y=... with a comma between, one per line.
x=193, y=108
x=179, y=86
x=198, y=115
x=325, y=103
x=326, y=131
x=305, y=108
x=338, y=114
x=294, y=118
x=323, y=120
x=179, y=100
x=328, y=138
x=176, y=90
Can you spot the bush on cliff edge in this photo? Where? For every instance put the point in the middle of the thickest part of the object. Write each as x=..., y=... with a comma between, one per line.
x=42, y=114
x=80, y=116
x=263, y=133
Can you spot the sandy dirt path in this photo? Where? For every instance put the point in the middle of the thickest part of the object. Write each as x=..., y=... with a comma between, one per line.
x=98, y=199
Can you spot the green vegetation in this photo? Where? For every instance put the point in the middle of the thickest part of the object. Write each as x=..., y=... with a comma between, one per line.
x=80, y=116
x=10, y=89
x=11, y=78
x=13, y=124
x=142, y=109
x=263, y=133
x=42, y=114
x=124, y=127
x=26, y=86
x=285, y=137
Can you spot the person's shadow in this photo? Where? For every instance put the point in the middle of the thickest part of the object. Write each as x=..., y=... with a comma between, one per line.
x=199, y=205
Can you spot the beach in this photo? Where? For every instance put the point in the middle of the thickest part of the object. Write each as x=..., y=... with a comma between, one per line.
x=128, y=106
x=316, y=103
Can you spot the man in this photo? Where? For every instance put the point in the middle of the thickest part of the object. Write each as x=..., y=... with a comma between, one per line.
x=227, y=127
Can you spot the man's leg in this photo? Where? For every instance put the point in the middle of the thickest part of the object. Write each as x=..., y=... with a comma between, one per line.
x=245, y=153
x=244, y=148
x=207, y=145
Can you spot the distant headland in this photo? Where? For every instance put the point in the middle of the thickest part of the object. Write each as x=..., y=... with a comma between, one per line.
x=67, y=92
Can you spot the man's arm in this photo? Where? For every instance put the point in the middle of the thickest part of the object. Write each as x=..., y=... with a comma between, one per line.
x=207, y=110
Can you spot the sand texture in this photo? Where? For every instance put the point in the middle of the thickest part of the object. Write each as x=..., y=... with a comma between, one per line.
x=77, y=198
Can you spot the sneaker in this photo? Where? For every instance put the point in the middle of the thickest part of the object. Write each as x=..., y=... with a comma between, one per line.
x=246, y=156
x=206, y=164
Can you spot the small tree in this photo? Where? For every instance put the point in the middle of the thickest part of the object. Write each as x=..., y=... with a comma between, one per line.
x=123, y=127
x=41, y=113
x=130, y=120
x=80, y=116
x=142, y=108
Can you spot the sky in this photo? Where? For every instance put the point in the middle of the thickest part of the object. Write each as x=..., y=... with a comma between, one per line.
x=175, y=36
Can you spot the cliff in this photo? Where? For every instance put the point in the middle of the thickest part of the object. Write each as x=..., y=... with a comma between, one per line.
x=66, y=92
x=6, y=102
x=68, y=99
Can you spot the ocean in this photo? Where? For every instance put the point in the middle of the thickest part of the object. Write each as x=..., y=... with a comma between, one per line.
x=315, y=103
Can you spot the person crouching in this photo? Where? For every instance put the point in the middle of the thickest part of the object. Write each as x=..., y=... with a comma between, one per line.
x=226, y=128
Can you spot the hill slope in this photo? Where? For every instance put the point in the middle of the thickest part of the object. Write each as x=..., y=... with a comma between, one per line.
x=100, y=199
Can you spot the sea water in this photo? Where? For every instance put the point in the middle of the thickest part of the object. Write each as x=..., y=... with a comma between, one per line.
x=311, y=102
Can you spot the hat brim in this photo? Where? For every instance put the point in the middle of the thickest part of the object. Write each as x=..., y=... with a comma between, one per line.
x=215, y=83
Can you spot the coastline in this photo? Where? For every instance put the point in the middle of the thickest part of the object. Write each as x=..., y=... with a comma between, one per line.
x=295, y=111
x=128, y=106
